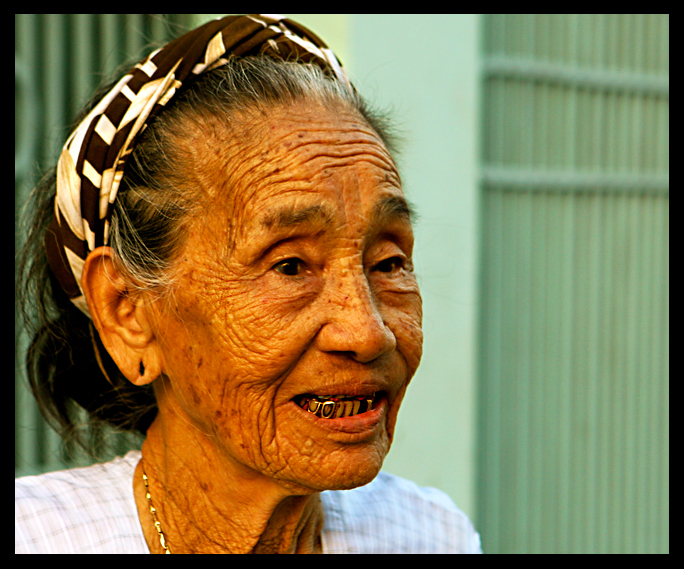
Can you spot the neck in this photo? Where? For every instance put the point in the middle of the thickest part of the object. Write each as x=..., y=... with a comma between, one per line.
x=207, y=503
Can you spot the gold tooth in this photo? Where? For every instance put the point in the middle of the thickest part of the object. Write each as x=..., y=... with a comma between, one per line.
x=327, y=409
x=335, y=409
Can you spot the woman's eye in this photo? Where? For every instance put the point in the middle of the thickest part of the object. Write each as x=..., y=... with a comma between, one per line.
x=290, y=267
x=390, y=265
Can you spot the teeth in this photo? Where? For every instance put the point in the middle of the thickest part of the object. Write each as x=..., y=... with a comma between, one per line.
x=335, y=407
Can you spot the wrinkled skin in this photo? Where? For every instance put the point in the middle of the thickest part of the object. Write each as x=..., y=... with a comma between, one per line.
x=269, y=304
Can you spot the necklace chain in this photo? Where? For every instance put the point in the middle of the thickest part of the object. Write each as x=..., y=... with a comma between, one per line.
x=157, y=525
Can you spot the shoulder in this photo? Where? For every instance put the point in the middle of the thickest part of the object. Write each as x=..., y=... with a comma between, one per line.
x=83, y=510
x=395, y=515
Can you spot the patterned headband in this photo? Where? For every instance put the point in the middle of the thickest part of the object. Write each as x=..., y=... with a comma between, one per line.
x=92, y=162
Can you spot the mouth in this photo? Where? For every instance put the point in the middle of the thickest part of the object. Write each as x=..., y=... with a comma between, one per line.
x=338, y=406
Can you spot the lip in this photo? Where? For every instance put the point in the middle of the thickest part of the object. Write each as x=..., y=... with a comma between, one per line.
x=358, y=387
x=348, y=389
x=364, y=424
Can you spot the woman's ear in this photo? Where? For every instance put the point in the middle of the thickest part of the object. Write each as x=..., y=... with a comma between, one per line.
x=121, y=319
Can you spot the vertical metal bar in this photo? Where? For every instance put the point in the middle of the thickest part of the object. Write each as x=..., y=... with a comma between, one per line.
x=524, y=303
x=653, y=378
x=538, y=471
x=54, y=66
x=495, y=366
x=654, y=482
x=648, y=382
x=651, y=43
x=663, y=136
x=508, y=482
x=161, y=29
x=664, y=355
x=54, y=58
x=134, y=39
x=623, y=380
x=573, y=411
x=83, y=61
x=541, y=113
x=26, y=36
x=641, y=206
x=611, y=41
x=627, y=378
x=539, y=326
x=491, y=363
x=551, y=435
x=648, y=142
x=110, y=43
x=604, y=392
x=593, y=311
x=27, y=449
x=565, y=313
x=665, y=43
x=522, y=223
x=633, y=379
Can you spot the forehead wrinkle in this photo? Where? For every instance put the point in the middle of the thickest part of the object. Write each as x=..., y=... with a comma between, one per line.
x=293, y=153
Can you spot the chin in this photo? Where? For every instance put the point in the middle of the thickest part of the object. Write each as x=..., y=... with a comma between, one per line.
x=355, y=480
x=348, y=468
x=331, y=454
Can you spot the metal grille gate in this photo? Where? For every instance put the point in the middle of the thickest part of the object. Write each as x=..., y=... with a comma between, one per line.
x=574, y=364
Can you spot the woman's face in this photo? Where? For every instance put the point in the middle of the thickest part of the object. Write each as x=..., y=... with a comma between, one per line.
x=298, y=281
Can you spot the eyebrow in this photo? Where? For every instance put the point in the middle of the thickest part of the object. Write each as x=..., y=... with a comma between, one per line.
x=390, y=207
x=393, y=207
x=290, y=217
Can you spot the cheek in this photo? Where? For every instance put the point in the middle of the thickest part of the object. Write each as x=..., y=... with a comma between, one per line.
x=403, y=314
x=230, y=348
x=254, y=317
x=225, y=393
x=409, y=336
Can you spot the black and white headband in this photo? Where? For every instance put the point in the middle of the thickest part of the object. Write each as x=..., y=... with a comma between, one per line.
x=92, y=161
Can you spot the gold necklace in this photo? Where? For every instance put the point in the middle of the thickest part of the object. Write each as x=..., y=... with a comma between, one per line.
x=154, y=513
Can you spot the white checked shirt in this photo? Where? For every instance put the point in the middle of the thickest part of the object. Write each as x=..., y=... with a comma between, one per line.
x=93, y=510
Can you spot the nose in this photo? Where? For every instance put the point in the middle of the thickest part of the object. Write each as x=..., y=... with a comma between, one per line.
x=352, y=322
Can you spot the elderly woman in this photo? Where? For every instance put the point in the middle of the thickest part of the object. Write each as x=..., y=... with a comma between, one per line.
x=230, y=274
